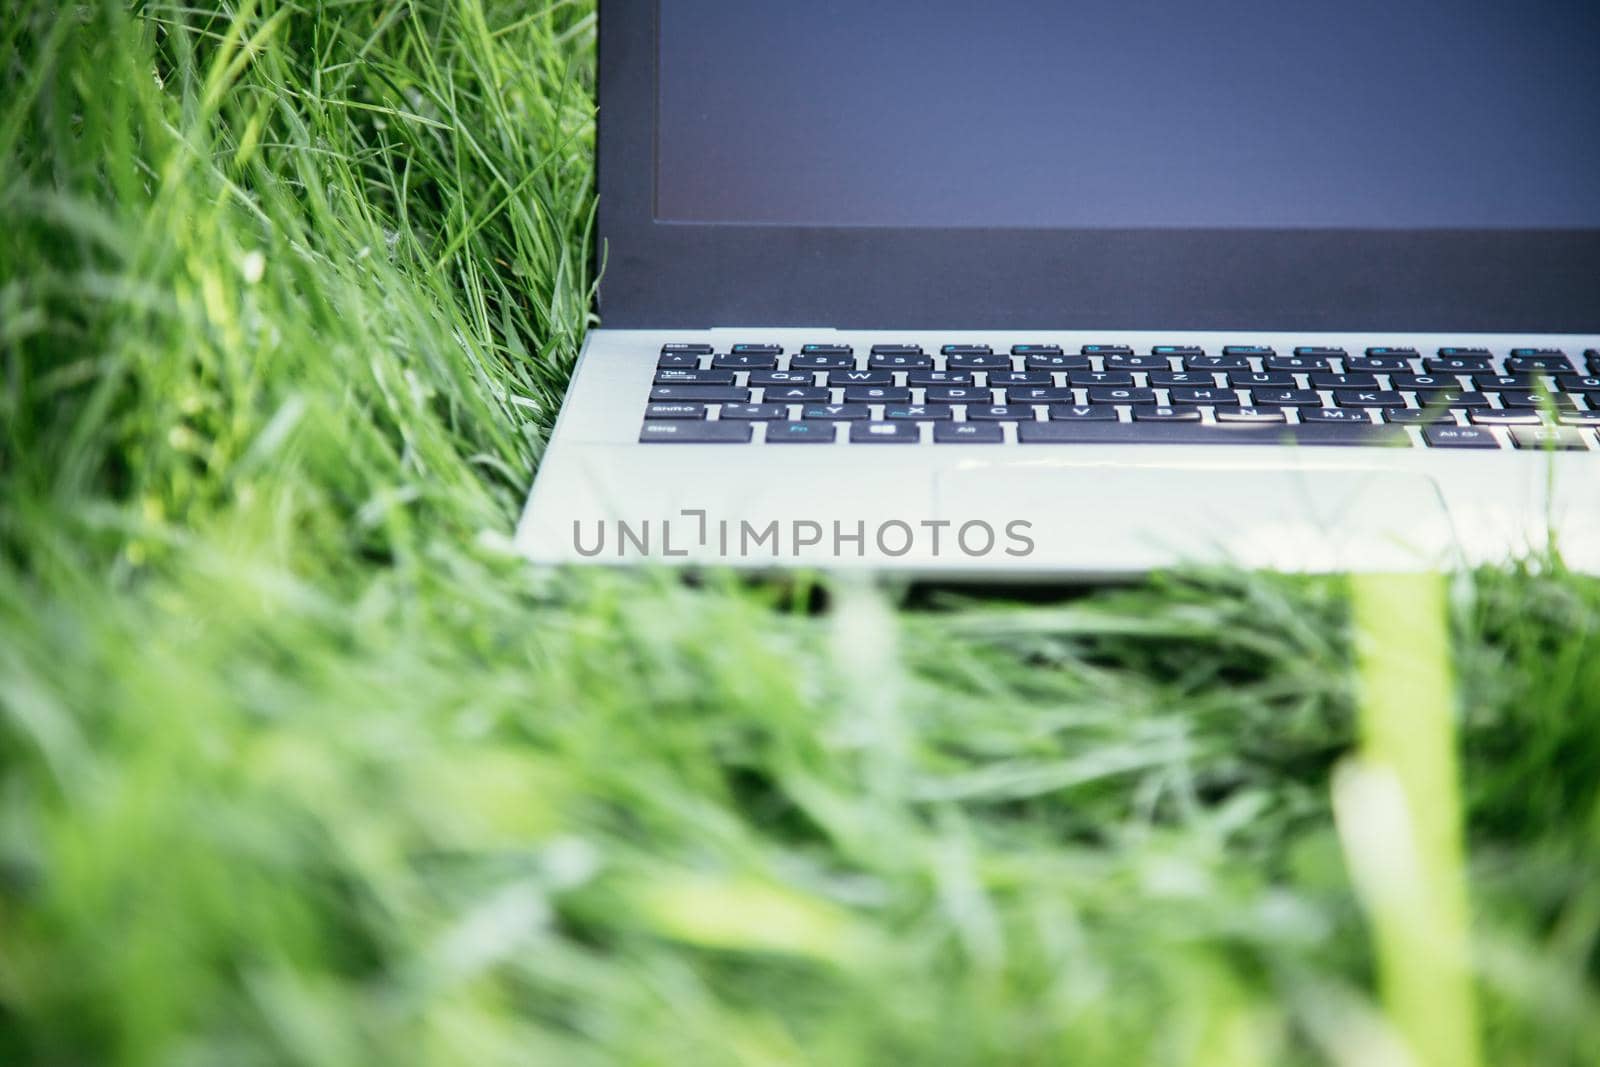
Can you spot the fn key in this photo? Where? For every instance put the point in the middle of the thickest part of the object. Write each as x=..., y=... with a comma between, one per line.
x=694, y=433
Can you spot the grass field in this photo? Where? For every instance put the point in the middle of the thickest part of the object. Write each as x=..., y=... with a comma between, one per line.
x=299, y=766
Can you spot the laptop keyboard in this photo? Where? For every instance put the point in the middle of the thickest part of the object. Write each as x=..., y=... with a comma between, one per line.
x=1038, y=394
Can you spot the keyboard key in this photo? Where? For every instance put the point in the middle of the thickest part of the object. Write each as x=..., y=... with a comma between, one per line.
x=1458, y=364
x=782, y=377
x=1343, y=381
x=682, y=376
x=978, y=361
x=695, y=433
x=1456, y=400
x=794, y=394
x=1380, y=351
x=720, y=394
x=1540, y=361
x=1376, y=364
x=1536, y=400
x=1195, y=433
x=1181, y=351
x=896, y=350
x=918, y=412
x=1572, y=383
x=968, y=433
x=1248, y=380
x=747, y=349
x=885, y=433
x=836, y=412
x=1055, y=361
x=822, y=361
x=1496, y=382
x=755, y=411
x=746, y=361
x=1035, y=350
x=1286, y=398
x=1297, y=364
x=999, y=413
x=1592, y=356
x=689, y=348
x=827, y=349
x=1229, y=362
x=1242, y=414
x=1559, y=438
x=675, y=411
x=1082, y=378
x=1456, y=350
x=1334, y=415
x=1578, y=418
x=1249, y=351
x=1166, y=413
x=1008, y=378
x=1320, y=352
x=1368, y=398
x=1503, y=417
x=877, y=394
x=842, y=378
x=1106, y=350
x=1132, y=362
x=1418, y=416
x=898, y=361
x=1038, y=394
x=799, y=433
x=959, y=394
x=924, y=378
x=679, y=359
x=1187, y=378
x=1109, y=395
x=1459, y=437
x=1083, y=412
x=1212, y=396
x=966, y=350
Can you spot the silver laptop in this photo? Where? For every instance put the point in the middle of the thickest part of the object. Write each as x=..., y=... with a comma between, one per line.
x=1082, y=289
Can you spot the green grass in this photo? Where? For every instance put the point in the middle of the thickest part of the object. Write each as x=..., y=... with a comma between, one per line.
x=298, y=765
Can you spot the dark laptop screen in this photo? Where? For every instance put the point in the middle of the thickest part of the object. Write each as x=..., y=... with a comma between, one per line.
x=1388, y=114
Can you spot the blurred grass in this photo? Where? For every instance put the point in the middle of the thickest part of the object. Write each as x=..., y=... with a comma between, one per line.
x=298, y=766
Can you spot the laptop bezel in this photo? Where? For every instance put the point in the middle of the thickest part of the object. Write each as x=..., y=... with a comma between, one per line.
x=663, y=274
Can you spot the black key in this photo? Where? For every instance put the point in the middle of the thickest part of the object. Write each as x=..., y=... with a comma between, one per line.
x=1055, y=361
x=918, y=412
x=822, y=361
x=683, y=376
x=1106, y=350
x=978, y=361
x=794, y=394
x=1181, y=351
x=675, y=411
x=1082, y=378
x=712, y=393
x=1008, y=378
x=999, y=412
x=1299, y=364
x=1285, y=398
x=898, y=361
x=1418, y=416
x=926, y=378
x=1344, y=381
x=836, y=412
x=1369, y=398
x=885, y=433
x=896, y=350
x=1503, y=417
x=1083, y=413
x=1536, y=400
x=1334, y=415
x=755, y=411
x=1038, y=394
x=747, y=349
x=1186, y=378
x=1560, y=438
x=1542, y=361
x=1246, y=380
x=1320, y=352
x=1592, y=355
x=1402, y=352
x=782, y=377
x=1458, y=437
x=692, y=348
x=1456, y=350
x=678, y=359
x=1165, y=413
x=968, y=433
x=1376, y=364
x=1426, y=383
x=1456, y=400
x=746, y=361
x=1132, y=362
x=799, y=433
x=1242, y=414
x=877, y=394
x=695, y=433
x=1233, y=362
x=959, y=394
x=966, y=350
x=840, y=378
x=1572, y=383
x=826, y=350
x=1252, y=351
x=1578, y=418
x=1212, y=395
x=1458, y=364
x=1496, y=382
x=1035, y=350
x=1195, y=433
x=1109, y=395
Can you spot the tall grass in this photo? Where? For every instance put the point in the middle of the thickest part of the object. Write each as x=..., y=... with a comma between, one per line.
x=298, y=765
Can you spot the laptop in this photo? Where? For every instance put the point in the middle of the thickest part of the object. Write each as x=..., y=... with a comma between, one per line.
x=1087, y=288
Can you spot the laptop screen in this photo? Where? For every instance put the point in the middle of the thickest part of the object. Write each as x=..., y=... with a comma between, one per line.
x=1130, y=114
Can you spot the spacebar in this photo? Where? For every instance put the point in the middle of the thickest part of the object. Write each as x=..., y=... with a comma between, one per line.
x=1190, y=433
